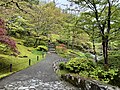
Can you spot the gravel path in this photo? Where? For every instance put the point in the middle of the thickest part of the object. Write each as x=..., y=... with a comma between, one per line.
x=38, y=77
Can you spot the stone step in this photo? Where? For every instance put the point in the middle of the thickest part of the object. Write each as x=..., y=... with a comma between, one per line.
x=51, y=49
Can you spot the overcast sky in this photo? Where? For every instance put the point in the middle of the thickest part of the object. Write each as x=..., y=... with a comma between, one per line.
x=61, y=3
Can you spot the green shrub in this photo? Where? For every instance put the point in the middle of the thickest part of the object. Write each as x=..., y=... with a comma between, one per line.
x=29, y=42
x=88, y=55
x=114, y=59
x=42, y=48
x=114, y=52
x=103, y=75
x=43, y=43
x=62, y=65
x=4, y=49
x=87, y=68
x=44, y=38
x=79, y=64
x=116, y=79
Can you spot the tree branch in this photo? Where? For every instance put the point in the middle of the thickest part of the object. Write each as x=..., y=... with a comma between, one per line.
x=103, y=10
x=17, y=5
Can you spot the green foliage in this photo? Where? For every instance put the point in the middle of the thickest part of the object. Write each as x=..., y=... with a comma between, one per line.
x=80, y=64
x=36, y=52
x=116, y=79
x=62, y=65
x=54, y=37
x=17, y=62
x=19, y=26
x=47, y=22
x=29, y=42
x=33, y=1
x=43, y=43
x=76, y=53
x=4, y=49
x=42, y=48
x=112, y=75
x=42, y=37
x=102, y=75
x=88, y=55
x=114, y=59
x=89, y=69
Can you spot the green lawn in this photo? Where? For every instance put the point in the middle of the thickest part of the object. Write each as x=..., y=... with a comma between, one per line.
x=20, y=62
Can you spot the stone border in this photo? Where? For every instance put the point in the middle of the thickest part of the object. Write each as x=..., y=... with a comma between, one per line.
x=56, y=64
x=86, y=84
x=82, y=83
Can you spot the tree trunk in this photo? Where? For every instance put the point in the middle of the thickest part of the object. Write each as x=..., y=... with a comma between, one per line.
x=106, y=36
x=105, y=49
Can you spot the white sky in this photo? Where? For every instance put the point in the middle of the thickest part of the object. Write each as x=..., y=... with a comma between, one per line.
x=64, y=4
x=60, y=3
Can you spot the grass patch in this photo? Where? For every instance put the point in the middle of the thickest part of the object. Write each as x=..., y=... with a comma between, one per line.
x=20, y=62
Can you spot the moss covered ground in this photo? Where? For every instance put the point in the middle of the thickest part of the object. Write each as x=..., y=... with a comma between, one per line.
x=19, y=62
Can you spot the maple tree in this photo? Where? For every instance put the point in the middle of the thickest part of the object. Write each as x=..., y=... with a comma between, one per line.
x=6, y=39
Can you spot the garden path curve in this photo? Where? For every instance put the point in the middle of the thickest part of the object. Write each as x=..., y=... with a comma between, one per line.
x=37, y=77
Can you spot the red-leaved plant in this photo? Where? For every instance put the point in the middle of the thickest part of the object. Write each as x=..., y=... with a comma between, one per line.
x=61, y=48
x=6, y=39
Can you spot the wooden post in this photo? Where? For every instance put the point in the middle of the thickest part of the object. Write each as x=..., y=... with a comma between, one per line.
x=37, y=58
x=29, y=62
x=10, y=67
x=42, y=55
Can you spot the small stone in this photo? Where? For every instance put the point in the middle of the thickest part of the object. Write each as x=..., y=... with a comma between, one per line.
x=32, y=87
x=33, y=80
x=46, y=85
x=10, y=85
x=22, y=88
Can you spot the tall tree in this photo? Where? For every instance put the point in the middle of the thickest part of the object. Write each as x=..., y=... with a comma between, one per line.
x=103, y=12
x=87, y=24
